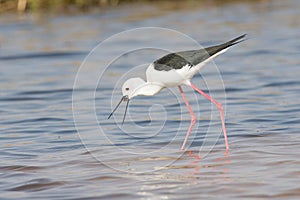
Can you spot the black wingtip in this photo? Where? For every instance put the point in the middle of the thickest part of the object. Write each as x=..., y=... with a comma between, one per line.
x=233, y=42
x=237, y=40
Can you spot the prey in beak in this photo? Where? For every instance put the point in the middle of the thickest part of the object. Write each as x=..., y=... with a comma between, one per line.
x=125, y=99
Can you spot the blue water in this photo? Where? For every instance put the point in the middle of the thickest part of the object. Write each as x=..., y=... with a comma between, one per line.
x=56, y=141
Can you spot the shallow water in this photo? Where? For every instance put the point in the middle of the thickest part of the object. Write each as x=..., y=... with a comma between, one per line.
x=56, y=141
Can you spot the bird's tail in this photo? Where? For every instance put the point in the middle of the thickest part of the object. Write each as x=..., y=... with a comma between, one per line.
x=215, y=49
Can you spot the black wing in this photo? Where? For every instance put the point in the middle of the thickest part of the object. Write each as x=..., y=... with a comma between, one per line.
x=192, y=57
x=171, y=61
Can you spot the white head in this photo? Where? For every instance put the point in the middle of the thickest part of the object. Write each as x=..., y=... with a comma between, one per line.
x=134, y=87
x=131, y=87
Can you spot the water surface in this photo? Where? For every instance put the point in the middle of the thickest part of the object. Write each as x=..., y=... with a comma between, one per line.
x=44, y=157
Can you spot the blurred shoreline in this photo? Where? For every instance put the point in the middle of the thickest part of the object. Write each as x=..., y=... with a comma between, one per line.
x=77, y=6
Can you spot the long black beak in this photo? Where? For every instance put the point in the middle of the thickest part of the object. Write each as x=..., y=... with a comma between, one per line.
x=124, y=98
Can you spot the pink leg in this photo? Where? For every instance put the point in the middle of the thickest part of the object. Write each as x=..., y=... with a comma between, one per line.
x=219, y=105
x=193, y=118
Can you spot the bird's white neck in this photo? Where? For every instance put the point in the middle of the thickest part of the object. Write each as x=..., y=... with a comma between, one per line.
x=147, y=89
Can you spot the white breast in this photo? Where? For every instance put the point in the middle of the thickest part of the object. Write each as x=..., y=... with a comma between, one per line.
x=170, y=78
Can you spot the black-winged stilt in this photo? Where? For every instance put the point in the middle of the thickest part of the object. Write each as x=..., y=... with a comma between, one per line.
x=176, y=69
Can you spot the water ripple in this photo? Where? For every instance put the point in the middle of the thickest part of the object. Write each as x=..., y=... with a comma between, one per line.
x=37, y=185
x=45, y=55
x=283, y=84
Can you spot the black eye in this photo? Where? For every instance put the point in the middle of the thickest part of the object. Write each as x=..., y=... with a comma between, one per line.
x=127, y=89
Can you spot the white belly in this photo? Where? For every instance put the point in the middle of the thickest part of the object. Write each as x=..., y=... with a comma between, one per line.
x=172, y=77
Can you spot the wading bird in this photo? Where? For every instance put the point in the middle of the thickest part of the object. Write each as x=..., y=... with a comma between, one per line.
x=174, y=70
